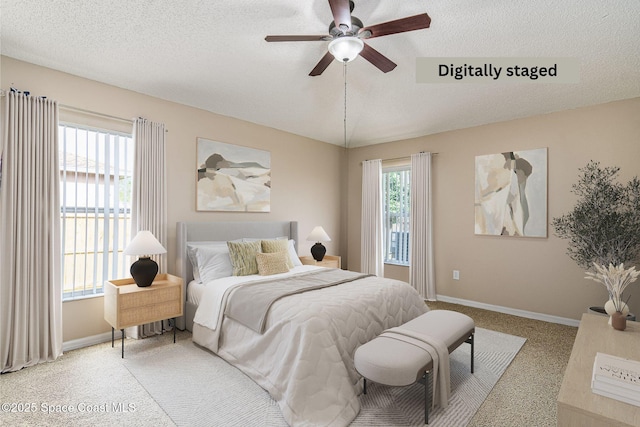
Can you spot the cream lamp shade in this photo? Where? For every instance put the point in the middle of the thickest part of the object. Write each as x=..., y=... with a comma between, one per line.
x=318, y=235
x=144, y=270
x=144, y=243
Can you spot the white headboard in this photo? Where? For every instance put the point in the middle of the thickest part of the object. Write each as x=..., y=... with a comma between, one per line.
x=223, y=231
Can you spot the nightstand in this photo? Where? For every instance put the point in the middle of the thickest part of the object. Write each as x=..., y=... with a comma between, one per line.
x=126, y=304
x=331, y=261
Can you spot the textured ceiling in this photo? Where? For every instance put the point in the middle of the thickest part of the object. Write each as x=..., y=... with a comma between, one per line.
x=212, y=55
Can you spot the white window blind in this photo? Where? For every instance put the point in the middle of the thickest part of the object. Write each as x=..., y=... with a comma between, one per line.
x=96, y=170
x=396, y=187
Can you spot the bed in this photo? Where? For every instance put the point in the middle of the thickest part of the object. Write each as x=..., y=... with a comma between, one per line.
x=301, y=350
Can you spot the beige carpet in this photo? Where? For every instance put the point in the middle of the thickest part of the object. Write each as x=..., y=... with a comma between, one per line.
x=96, y=377
x=526, y=394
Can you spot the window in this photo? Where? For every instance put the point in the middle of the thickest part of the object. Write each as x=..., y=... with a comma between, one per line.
x=396, y=183
x=96, y=170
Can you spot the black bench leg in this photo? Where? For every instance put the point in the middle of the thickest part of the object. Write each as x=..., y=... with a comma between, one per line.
x=365, y=385
x=427, y=374
x=470, y=341
x=472, y=356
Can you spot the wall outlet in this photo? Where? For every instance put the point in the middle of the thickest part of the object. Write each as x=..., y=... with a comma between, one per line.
x=456, y=275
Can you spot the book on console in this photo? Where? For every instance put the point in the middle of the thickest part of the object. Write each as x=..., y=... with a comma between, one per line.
x=607, y=387
x=613, y=392
x=617, y=369
x=617, y=378
x=622, y=385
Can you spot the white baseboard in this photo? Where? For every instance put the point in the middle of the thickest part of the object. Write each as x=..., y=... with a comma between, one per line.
x=513, y=311
x=89, y=341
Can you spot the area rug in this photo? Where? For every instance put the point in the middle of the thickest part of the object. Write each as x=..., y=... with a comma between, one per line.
x=196, y=388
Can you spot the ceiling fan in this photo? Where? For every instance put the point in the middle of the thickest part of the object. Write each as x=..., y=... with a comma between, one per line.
x=346, y=34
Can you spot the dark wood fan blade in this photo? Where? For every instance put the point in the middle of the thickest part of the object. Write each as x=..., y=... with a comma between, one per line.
x=296, y=38
x=322, y=65
x=341, y=11
x=383, y=63
x=411, y=23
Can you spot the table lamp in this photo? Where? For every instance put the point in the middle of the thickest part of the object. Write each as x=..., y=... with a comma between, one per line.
x=144, y=270
x=318, y=235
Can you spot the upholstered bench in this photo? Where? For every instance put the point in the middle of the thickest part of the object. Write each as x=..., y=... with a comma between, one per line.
x=399, y=356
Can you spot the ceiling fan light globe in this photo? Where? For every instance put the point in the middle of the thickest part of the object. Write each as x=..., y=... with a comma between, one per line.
x=346, y=49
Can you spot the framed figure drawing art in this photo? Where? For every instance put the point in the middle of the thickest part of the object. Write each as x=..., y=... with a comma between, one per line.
x=232, y=178
x=511, y=194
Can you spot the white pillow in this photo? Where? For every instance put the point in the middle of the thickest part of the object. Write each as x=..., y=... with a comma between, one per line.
x=293, y=254
x=214, y=262
x=191, y=254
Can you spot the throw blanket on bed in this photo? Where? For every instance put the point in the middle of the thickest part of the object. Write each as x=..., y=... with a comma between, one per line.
x=439, y=354
x=249, y=303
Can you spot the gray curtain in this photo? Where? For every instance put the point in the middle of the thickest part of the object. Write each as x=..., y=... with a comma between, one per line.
x=421, y=271
x=30, y=253
x=372, y=241
x=149, y=200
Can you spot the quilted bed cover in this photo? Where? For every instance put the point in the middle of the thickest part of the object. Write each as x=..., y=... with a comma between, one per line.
x=304, y=358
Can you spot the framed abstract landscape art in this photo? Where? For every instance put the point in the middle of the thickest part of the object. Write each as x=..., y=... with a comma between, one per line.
x=232, y=177
x=511, y=194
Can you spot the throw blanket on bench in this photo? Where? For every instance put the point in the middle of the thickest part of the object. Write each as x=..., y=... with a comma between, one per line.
x=439, y=354
x=249, y=303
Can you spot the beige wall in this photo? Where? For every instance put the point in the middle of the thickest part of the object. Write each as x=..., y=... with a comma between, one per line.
x=520, y=273
x=310, y=187
x=306, y=174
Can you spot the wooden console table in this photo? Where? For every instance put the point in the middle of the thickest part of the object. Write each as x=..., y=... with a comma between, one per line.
x=577, y=405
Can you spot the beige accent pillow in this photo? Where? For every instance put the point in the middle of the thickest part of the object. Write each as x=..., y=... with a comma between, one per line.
x=277, y=245
x=272, y=263
x=243, y=257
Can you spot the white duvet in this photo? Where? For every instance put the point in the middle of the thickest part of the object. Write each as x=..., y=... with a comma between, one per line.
x=305, y=357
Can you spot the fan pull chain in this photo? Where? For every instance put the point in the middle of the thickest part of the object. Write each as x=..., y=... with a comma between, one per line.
x=345, y=102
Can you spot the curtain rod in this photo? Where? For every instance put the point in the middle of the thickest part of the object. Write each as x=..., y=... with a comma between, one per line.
x=85, y=111
x=94, y=113
x=97, y=114
x=82, y=110
x=403, y=158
